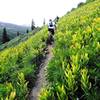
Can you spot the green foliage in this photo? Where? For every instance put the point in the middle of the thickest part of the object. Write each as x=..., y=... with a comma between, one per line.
x=46, y=94
x=7, y=92
x=90, y=1
x=80, y=4
x=21, y=87
x=5, y=37
x=18, y=63
x=18, y=39
x=12, y=29
x=33, y=25
x=73, y=72
x=85, y=81
x=70, y=80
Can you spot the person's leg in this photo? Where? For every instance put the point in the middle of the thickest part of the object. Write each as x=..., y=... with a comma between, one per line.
x=49, y=37
x=52, y=31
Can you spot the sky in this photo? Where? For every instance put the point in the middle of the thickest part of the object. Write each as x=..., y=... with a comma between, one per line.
x=22, y=12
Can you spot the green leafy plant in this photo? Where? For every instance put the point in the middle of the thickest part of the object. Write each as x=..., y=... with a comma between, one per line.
x=85, y=81
x=21, y=87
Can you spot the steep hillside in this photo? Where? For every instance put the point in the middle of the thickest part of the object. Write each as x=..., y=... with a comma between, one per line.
x=18, y=66
x=74, y=71
x=18, y=39
x=12, y=29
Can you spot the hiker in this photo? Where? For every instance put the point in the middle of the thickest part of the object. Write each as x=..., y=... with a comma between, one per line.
x=56, y=20
x=51, y=27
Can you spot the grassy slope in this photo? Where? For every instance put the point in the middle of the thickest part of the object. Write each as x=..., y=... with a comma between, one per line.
x=18, y=62
x=18, y=39
x=74, y=70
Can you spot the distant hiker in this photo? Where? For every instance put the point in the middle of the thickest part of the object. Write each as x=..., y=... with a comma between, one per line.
x=51, y=27
x=56, y=20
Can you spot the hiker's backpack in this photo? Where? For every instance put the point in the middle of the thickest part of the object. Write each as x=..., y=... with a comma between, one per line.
x=51, y=24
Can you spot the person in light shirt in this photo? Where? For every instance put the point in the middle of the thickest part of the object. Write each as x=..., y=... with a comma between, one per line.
x=51, y=27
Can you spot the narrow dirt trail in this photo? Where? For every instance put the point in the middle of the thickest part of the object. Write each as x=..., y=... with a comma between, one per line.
x=41, y=80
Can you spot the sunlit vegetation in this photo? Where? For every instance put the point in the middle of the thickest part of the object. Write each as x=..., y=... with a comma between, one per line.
x=20, y=38
x=18, y=64
x=74, y=71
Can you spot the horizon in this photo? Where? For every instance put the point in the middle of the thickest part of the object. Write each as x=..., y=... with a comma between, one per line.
x=21, y=12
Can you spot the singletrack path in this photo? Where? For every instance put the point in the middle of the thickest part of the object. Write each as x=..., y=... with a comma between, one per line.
x=41, y=79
